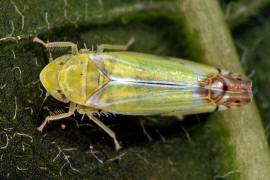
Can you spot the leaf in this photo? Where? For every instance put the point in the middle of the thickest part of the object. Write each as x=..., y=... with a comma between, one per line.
x=197, y=148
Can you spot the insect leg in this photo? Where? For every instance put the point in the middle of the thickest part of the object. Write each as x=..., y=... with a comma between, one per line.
x=83, y=51
x=106, y=129
x=72, y=108
x=49, y=45
x=101, y=47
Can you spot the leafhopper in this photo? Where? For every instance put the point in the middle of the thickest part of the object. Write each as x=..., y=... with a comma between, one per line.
x=132, y=83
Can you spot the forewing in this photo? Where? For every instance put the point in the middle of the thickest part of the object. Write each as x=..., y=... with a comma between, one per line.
x=149, y=99
x=145, y=68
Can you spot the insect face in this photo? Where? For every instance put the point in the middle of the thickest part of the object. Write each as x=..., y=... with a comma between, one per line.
x=49, y=78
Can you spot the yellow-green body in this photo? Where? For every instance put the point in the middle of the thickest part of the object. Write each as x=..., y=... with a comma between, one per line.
x=130, y=83
x=137, y=84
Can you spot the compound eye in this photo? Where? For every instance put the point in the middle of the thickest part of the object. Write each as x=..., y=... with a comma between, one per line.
x=62, y=98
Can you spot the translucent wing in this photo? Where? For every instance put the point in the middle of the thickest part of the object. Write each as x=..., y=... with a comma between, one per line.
x=142, y=84
x=149, y=99
x=145, y=68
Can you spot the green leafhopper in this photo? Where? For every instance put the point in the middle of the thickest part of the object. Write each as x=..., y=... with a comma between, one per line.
x=132, y=83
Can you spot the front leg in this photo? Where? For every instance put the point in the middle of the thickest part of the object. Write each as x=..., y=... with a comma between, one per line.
x=115, y=47
x=72, y=108
x=49, y=45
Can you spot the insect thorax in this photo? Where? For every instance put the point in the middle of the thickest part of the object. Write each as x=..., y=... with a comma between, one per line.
x=79, y=78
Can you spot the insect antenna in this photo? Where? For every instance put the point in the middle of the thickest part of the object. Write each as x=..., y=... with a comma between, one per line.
x=45, y=98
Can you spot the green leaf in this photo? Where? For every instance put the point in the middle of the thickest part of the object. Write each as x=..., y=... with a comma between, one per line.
x=209, y=146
